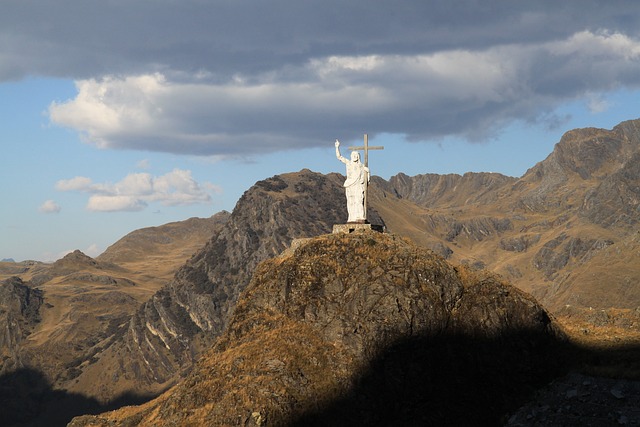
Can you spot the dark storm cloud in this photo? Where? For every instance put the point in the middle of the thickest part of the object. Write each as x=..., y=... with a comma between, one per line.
x=227, y=77
x=80, y=39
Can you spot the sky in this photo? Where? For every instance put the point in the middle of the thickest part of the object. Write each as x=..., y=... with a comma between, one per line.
x=117, y=115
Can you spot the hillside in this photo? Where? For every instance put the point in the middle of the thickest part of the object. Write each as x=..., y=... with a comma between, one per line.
x=58, y=316
x=363, y=329
x=156, y=253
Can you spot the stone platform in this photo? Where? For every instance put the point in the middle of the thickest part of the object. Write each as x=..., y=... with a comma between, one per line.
x=351, y=227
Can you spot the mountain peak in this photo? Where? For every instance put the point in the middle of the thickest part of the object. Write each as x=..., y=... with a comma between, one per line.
x=594, y=152
x=76, y=257
x=582, y=160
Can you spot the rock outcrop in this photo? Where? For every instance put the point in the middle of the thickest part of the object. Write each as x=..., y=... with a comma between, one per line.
x=19, y=314
x=363, y=329
x=182, y=319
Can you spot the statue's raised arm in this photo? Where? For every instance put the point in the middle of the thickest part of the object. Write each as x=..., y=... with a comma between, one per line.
x=342, y=159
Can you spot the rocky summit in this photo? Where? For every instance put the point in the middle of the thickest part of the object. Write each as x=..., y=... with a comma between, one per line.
x=363, y=329
x=170, y=330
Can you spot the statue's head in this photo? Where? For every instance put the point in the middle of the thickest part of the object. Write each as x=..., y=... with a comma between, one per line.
x=355, y=156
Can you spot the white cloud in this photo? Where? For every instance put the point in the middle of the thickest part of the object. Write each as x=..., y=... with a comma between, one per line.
x=597, y=104
x=79, y=183
x=213, y=188
x=104, y=108
x=464, y=92
x=135, y=191
x=143, y=164
x=603, y=43
x=136, y=184
x=49, y=206
x=93, y=250
x=115, y=203
x=178, y=188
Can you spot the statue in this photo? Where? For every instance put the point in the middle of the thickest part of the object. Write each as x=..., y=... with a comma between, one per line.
x=355, y=185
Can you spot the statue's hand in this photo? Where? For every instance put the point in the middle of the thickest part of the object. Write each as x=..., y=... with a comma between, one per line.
x=337, y=143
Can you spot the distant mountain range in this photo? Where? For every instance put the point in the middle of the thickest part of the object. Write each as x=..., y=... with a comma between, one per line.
x=135, y=319
x=567, y=231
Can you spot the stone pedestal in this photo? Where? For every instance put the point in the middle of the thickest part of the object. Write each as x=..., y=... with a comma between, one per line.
x=351, y=227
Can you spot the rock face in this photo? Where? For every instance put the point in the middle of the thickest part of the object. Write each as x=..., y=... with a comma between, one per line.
x=432, y=190
x=58, y=318
x=19, y=314
x=171, y=330
x=363, y=329
x=582, y=167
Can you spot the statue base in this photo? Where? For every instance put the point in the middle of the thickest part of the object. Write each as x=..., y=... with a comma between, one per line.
x=350, y=227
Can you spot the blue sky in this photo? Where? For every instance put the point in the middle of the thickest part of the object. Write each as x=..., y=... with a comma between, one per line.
x=120, y=115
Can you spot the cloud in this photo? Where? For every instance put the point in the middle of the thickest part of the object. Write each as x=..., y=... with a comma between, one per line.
x=49, y=206
x=137, y=190
x=468, y=93
x=143, y=164
x=79, y=183
x=243, y=78
x=597, y=104
x=93, y=250
x=115, y=203
x=221, y=38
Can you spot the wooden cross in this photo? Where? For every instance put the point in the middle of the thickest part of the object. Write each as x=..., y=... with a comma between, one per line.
x=366, y=149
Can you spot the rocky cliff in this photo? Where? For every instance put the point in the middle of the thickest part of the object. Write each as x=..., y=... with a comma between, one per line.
x=432, y=190
x=19, y=315
x=58, y=317
x=576, y=173
x=363, y=329
x=182, y=319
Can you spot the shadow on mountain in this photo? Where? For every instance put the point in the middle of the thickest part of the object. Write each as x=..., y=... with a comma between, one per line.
x=27, y=399
x=460, y=381
x=620, y=361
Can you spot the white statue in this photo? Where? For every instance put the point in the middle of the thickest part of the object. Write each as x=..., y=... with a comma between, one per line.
x=355, y=185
